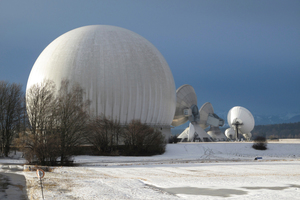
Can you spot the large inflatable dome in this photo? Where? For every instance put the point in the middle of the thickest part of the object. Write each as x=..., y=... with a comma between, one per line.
x=122, y=73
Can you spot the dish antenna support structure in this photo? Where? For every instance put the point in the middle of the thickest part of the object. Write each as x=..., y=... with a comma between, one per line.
x=209, y=118
x=187, y=110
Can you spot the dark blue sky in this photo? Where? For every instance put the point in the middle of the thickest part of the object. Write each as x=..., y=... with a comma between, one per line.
x=244, y=53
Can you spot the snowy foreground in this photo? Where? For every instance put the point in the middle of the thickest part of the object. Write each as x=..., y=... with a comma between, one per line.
x=185, y=171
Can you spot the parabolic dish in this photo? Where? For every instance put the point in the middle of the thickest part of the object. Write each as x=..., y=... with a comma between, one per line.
x=242, y=115
x=204, y=111
x=230, y=133
x=186, y=97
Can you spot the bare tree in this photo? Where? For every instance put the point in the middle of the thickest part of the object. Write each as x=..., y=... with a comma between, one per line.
x=58, y=121
x=11, y=102
x=72, y=117
x=41, y=104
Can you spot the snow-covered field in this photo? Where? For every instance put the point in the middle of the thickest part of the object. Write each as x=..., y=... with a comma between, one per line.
x=185, y=171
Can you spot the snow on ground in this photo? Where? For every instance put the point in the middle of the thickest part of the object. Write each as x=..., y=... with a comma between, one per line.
x=185, y=171
x=204, y=152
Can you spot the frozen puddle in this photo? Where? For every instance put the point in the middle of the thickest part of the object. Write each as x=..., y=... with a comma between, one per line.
x=204, y=191
x=272, y=188
x=218, y=192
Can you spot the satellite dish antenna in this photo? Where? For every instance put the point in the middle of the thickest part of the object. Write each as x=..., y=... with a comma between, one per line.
x=205, y=111
x=186, y=105
x=209, y=118
x=230, y=133
x=187, y=110
x=247, y=136
x=241, y=120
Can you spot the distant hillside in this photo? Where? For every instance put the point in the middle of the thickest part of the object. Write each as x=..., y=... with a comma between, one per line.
x=268, y=119
x=286, y=130
x=276, y=119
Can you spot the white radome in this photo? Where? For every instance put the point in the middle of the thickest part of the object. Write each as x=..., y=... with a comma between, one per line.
x=122, y=73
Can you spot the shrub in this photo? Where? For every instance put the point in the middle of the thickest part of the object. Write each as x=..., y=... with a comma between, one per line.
x=141, y=139
x=104, y=135
x=173, y=139
x=110, y=138
x=260, y=143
